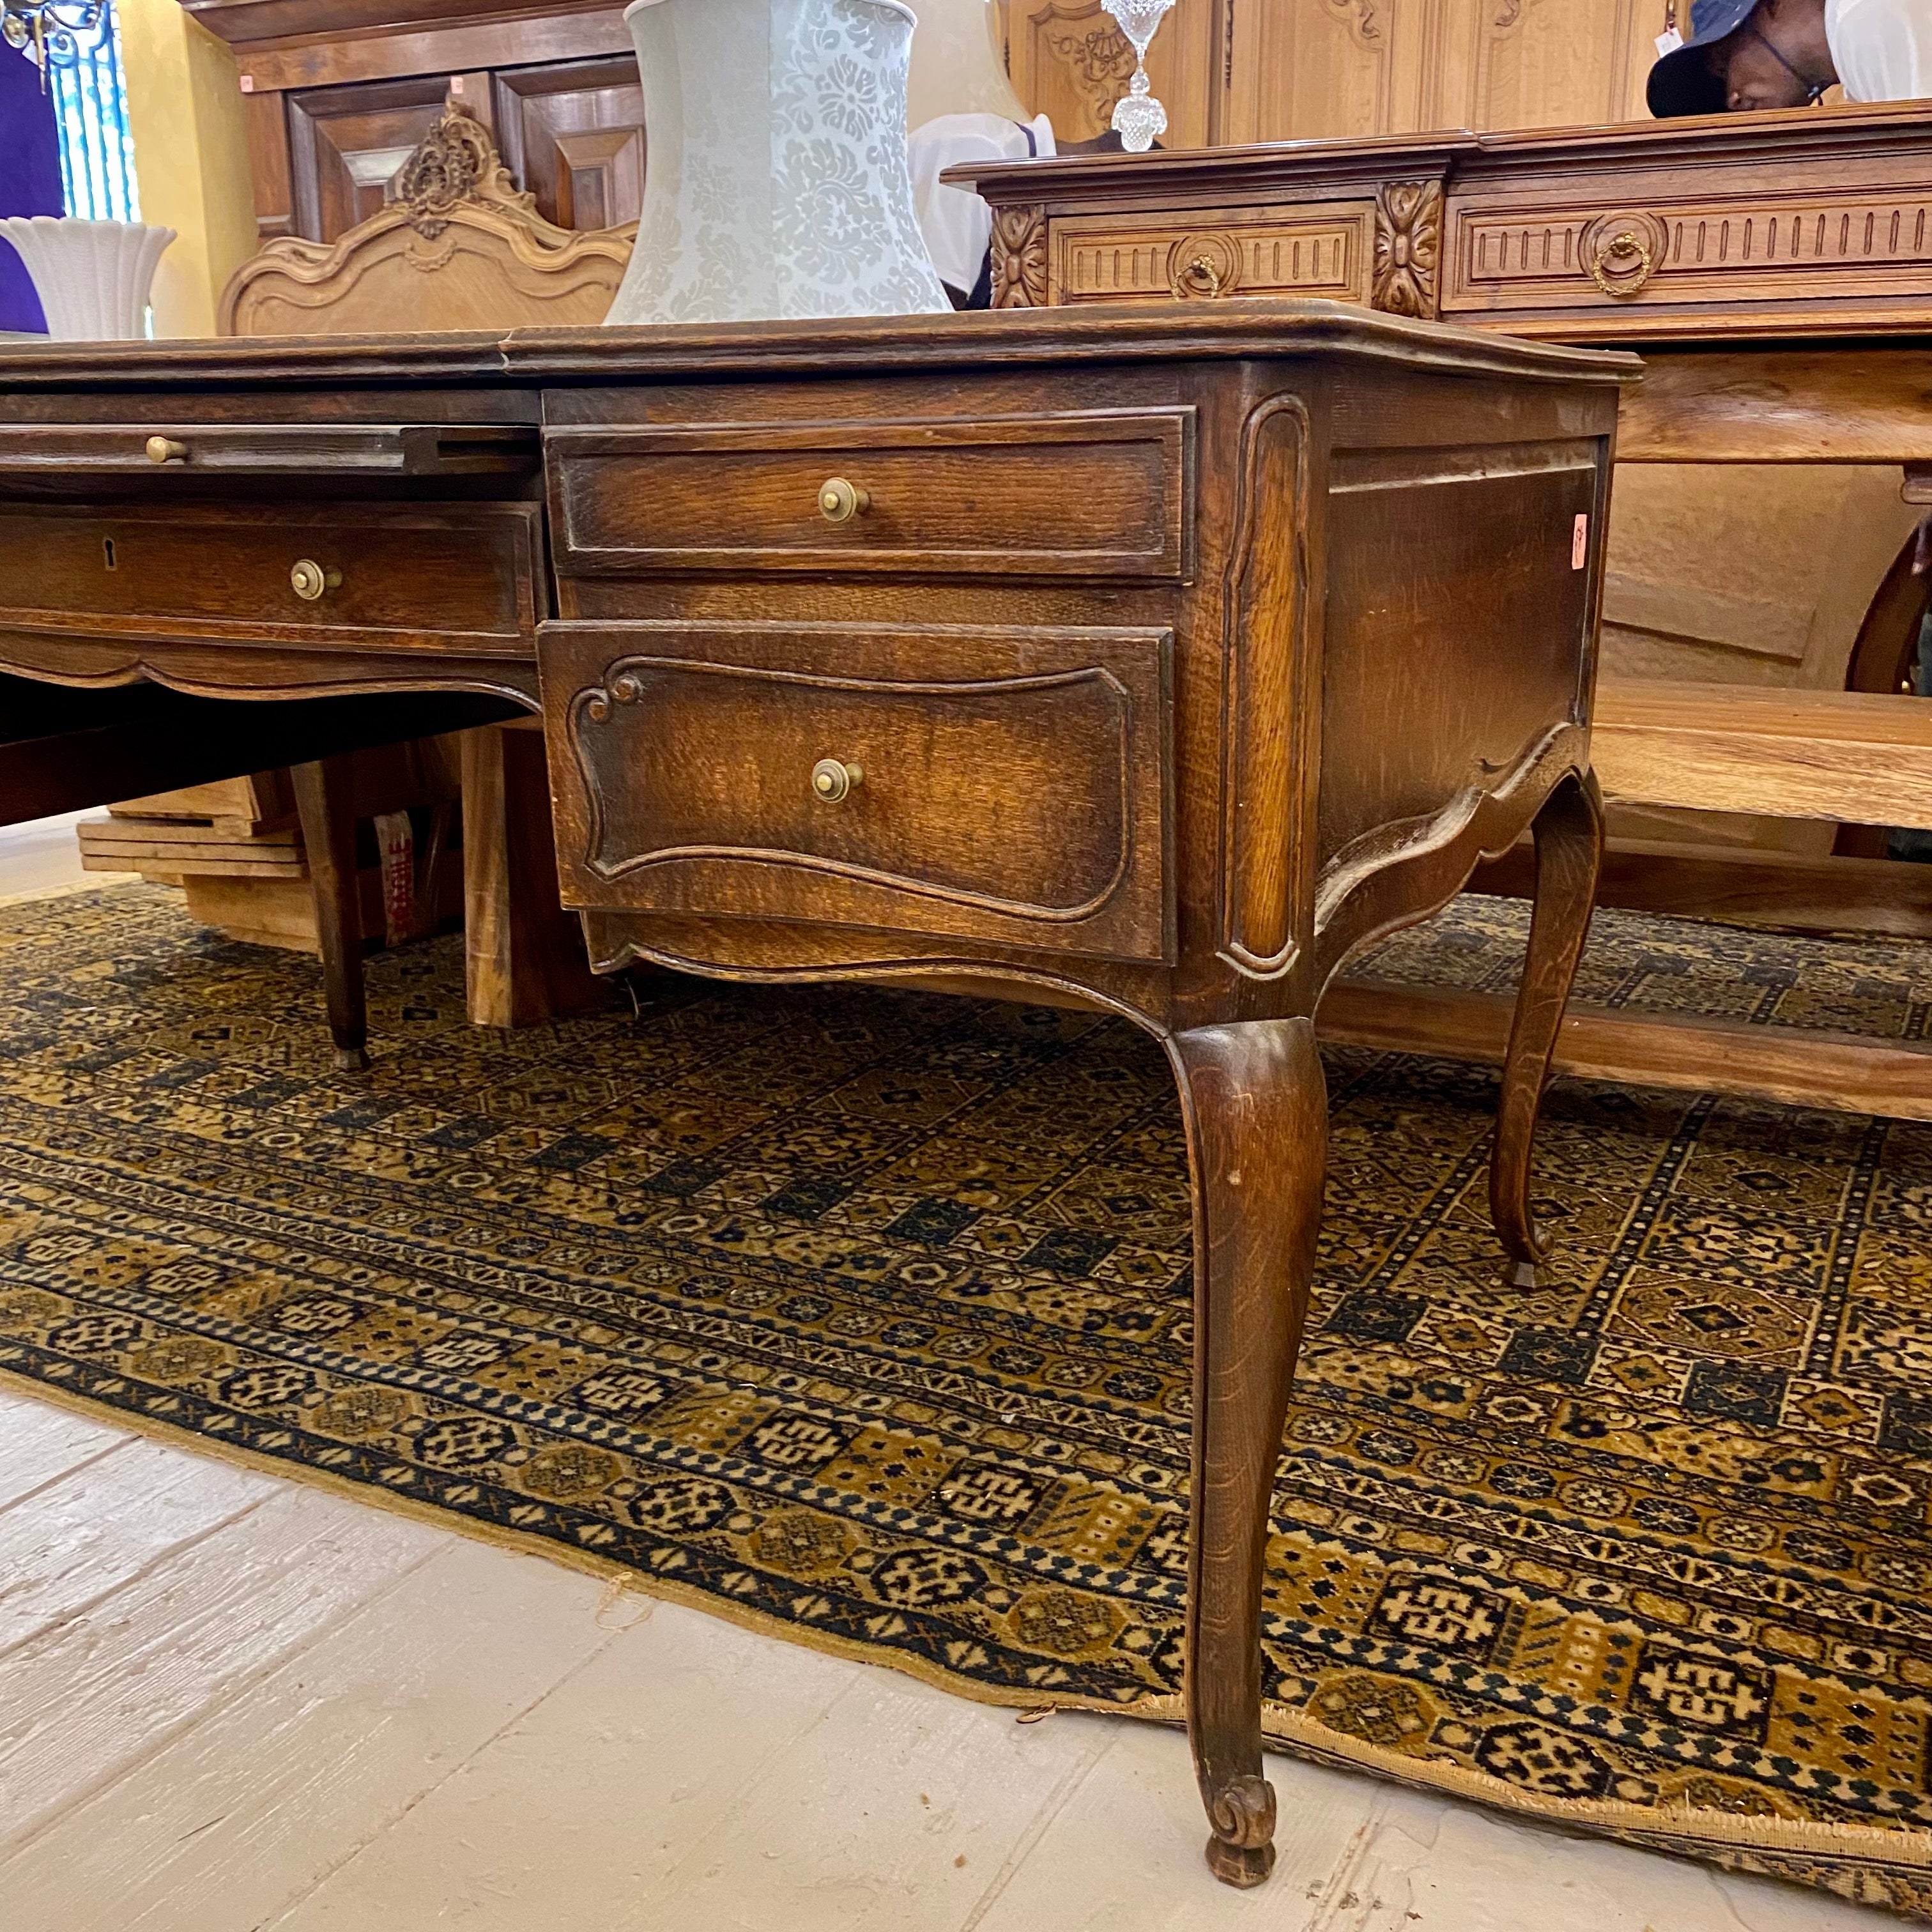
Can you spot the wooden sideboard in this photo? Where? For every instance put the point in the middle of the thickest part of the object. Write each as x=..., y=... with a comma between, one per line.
x=1068, y=658
x=1775, y=272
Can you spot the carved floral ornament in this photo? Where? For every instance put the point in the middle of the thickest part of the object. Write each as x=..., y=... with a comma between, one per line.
x=1019, y=257
x=1408, y=247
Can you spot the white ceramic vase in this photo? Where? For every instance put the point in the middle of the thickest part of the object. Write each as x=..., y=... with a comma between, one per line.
x=92, y=277
x=776, y=188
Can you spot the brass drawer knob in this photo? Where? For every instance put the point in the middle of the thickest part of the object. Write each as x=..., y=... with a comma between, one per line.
x=310, y=582
x=832, y=782
x=839, y=502
x=165, y=449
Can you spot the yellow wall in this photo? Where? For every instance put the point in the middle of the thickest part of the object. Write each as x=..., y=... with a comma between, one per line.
x=185, y=112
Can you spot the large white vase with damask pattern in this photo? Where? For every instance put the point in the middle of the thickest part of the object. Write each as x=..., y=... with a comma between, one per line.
x=776, y=186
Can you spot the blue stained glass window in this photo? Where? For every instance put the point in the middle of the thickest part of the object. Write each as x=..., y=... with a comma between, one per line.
x=83, y=71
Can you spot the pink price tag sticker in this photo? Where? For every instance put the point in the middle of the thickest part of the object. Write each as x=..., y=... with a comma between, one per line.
x=1580, y=542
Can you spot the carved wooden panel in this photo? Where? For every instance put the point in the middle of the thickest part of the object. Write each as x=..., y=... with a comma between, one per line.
x=1018, y=250
x=687, y=760
x=1196, y=257
x=1070, y=61
x=573, y=134
x=1715, y=247
x=346, y=144
x=1305, y=69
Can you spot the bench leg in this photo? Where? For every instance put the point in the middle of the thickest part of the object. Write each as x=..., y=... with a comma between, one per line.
x=524, y=957
x=324, y=801
x=1569, y=833
x=1256, y=1107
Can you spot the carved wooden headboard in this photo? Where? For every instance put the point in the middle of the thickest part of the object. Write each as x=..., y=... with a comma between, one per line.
x=457, y=247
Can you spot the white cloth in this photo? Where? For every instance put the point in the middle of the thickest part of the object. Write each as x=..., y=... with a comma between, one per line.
x=1882, y=49
x=956, y=224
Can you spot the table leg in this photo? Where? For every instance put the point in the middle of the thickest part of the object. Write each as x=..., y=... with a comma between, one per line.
x=323, y=801
x=1569, y=833
x=1257, y=1113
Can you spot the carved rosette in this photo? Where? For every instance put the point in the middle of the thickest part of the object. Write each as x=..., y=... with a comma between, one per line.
x=1019, y=257
x=1408, y=247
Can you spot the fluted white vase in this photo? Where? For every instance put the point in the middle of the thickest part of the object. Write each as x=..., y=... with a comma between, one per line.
x=92, y=277
x=777, y=187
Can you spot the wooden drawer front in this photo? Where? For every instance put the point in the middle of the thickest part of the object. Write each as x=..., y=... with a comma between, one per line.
x=1092, y=494
x=1705, y=248
x=1014, y=783
x=457, y=578
x=1199, y=254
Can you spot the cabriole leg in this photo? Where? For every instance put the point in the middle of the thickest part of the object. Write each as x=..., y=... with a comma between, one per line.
x=1569, y=833
x=1257, y=1113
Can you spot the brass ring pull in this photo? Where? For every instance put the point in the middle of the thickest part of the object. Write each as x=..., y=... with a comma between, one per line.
x=1624, y=248
x=165, y=449
x=833, y=781
x=1199, y=278
x=310, y=582
x=839, y=502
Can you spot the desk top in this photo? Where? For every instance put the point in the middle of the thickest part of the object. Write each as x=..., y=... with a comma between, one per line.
x=530, y=359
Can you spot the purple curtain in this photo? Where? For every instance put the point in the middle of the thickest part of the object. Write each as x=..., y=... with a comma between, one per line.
x=30, y=178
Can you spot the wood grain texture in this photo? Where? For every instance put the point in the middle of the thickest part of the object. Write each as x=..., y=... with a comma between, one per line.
x=1569, y=832
x=1796, y=754
x=1744, y=886
x=524, y=960
x=1791, y=1067
x=328, y=815
x=1137, y=727
x=1256, y=1110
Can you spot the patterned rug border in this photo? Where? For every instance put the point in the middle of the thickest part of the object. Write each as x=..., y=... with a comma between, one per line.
x=1739, y=1843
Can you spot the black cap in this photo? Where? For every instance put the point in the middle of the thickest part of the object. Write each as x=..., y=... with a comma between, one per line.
x=1682, y=82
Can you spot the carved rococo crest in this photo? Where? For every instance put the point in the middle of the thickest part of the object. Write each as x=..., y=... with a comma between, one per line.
x=452, y=164
x=1019, y=257
x=1408, y=247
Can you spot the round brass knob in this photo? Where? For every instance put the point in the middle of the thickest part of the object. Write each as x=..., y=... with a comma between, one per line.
x=832, y=782
x=165, y=449
x=839, y=502
x=310, y=582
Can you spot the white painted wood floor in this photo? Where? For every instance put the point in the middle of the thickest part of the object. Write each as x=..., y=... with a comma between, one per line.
x=228, y=1702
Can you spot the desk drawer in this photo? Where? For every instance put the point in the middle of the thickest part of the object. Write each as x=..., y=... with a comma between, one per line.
x=1095, y=494
x=461, y=578
x=1005, y=784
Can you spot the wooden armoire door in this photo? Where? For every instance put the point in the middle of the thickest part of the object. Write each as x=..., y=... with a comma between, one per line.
x=573, y=135
x=1302, y=69
x=345, y=144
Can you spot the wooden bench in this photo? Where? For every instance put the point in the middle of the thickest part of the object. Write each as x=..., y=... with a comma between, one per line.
x=1845, y=756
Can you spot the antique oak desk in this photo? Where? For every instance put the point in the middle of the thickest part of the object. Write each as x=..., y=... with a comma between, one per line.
x=1775, y=272
x=1071, y=657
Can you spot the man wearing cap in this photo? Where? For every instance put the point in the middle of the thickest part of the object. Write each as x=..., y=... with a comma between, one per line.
x=1784, y=53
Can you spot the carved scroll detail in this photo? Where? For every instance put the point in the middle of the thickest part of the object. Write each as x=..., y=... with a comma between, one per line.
x=1408, y=247
x=1019, y=257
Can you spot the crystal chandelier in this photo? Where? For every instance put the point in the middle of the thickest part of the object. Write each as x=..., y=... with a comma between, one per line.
x=50, y=30
x=1137, y=117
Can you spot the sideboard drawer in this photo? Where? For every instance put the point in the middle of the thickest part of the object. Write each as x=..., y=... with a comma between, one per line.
x=366, y=577
x=1099, y=494
x=1324, y=249
x=1007, y=785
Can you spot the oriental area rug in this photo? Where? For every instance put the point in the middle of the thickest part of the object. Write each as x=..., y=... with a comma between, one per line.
x=863, y=1317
